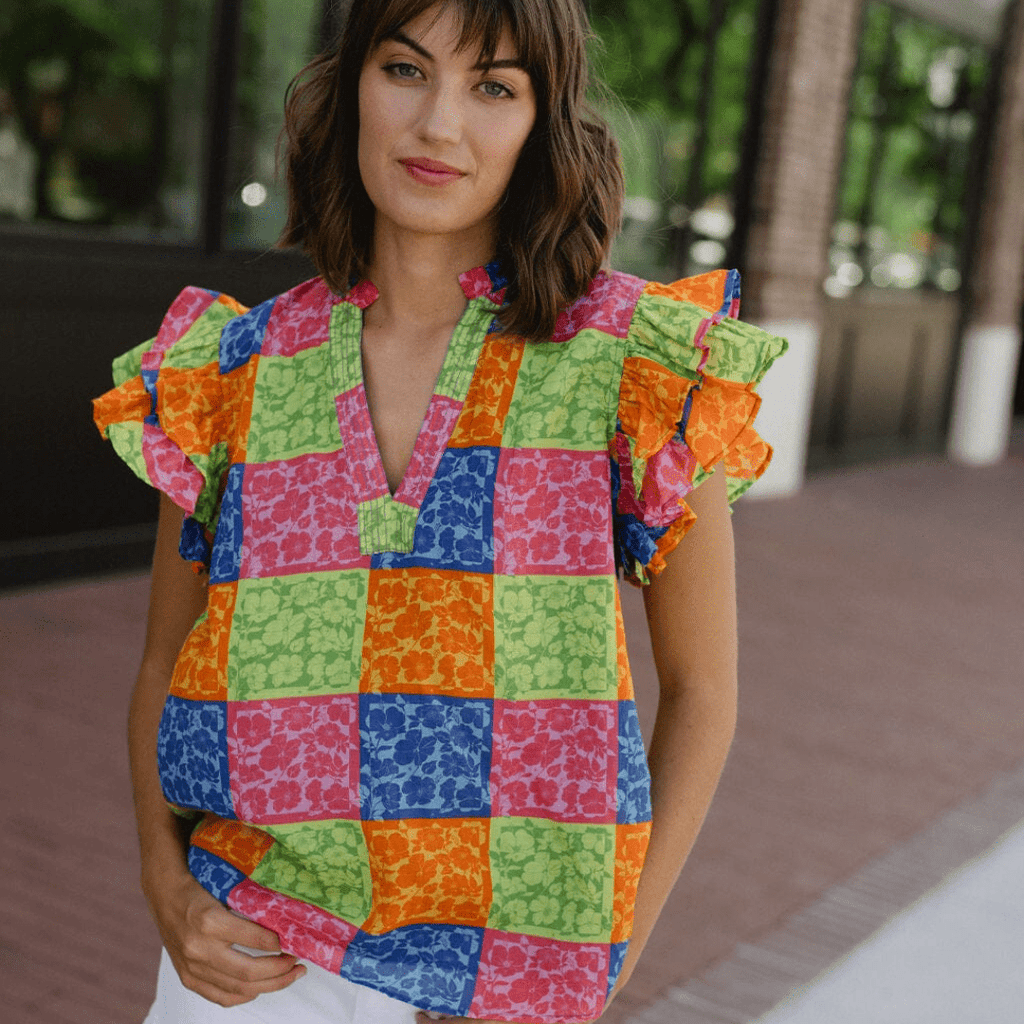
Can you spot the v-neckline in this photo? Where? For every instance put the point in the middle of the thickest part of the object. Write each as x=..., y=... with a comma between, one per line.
x=387, y=520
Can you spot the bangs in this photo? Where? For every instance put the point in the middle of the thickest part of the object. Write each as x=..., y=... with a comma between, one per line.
x=482, y=23
x=563, y=205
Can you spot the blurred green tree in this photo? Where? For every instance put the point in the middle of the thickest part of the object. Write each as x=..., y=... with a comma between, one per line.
x=917, y=101
x=681, y=68
x=85, y=82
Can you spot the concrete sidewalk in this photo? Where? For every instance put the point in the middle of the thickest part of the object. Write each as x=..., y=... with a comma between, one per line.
x=881, y=640
x=954, y=957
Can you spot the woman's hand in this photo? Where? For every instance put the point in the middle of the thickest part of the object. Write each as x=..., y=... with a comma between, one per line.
x=198, y=933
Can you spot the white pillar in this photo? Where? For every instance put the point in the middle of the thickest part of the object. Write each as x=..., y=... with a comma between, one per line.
x=983, y=400
x=787, y=396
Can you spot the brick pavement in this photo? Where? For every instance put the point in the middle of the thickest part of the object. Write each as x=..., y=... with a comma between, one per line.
x=880, y=663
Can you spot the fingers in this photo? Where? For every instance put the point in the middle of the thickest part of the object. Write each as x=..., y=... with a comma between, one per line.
x=211, y=919
x=244, y=932
x=199, y=933
x=254, y=969
x=230, y=990
x=213, y=960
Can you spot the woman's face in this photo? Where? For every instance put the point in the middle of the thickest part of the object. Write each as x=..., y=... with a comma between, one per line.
x=439, y=135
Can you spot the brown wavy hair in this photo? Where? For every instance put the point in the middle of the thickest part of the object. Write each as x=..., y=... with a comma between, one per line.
x=563, y=206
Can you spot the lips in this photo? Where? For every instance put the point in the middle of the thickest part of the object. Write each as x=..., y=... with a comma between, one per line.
x=431, y=172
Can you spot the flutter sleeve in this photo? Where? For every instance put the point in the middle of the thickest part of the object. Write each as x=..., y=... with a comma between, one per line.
x=171, y=413
x=686, y=403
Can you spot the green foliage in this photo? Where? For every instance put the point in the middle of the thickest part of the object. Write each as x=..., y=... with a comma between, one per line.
x=914, y=110
x=83, y=78
x=654, y=57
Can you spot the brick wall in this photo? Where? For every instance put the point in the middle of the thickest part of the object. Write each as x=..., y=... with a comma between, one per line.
x=812, y=64
x=999, y=271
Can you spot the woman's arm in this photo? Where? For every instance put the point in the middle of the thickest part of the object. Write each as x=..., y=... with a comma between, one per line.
x=196, y=929
x=691, y=614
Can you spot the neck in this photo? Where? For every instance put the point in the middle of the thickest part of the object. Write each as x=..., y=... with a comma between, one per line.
x=418, y=276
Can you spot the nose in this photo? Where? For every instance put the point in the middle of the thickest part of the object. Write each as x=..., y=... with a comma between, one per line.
x=441, y=116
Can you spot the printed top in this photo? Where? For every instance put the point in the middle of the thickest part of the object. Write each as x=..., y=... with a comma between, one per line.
x=405, y=723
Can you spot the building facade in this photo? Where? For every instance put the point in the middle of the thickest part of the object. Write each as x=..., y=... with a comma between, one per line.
x=861, y=162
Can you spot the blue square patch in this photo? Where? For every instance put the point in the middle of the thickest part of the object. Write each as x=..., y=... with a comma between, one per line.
x=634, y=778
x=242, y=336
x=226, y=557
x=431, y=966
x=455, y=526
x=424, y=756
x=618, y=956
x=216, y=876
x=192, y=754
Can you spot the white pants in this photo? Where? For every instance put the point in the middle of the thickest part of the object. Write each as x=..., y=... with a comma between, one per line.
x=318, y=997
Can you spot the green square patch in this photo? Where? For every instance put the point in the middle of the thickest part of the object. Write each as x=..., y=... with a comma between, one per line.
x=294, y=636
x=293, y=409
x=320, y=862
x=552, y=878
x=566, y=394
x=200, y=344
x=554, y=637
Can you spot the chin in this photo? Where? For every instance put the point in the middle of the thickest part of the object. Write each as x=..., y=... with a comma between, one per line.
x=433, y=220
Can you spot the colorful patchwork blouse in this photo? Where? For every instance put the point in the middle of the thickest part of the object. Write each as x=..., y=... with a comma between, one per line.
x=405, y=722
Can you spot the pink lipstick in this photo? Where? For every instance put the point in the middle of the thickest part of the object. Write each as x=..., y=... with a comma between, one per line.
x=431, y=172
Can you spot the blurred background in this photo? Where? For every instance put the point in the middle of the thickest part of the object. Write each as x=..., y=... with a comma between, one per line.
x=854, y=159
x=862, y=164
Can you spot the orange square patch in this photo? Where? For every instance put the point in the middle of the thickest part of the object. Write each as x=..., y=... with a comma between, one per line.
x=201, y=672
x=651, y=403
x=237, y=387
x=428, y=870
x=482, y=419
x=429, y=631
x=704, y=290
x=721, y=413
x=189, y=407
x=238, y=844
x=630, y=850
x=129, y=403
x=625, y=691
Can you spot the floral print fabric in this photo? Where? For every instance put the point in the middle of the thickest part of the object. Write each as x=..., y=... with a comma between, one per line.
x=405, y=723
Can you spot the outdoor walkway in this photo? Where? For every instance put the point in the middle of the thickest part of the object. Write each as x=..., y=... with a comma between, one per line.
x=952, y=958
x=880, y=746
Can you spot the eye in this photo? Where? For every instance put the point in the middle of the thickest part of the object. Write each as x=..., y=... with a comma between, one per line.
x=401, y=69
x=496, y=90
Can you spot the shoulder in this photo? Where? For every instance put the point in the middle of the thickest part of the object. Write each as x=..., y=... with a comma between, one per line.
x=614, y=298
x=203, y=326
x=608, y=306
x=692, y=327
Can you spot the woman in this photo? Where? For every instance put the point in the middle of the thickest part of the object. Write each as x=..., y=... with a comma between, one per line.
x=386, y=736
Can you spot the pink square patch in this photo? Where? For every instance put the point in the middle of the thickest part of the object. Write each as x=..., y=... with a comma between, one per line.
x=430, y=446
x=557, y=981
x=294, y=759
x=298, y=516
x=169, y=468
x=186, y=309
x=552, y=513
x=608, y=307
x=304, y=930
x=362, y=459
x=555, y=759
x=300, y=320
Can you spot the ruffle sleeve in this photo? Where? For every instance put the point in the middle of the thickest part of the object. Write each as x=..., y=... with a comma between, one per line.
x=172, y=413
x=686, y=403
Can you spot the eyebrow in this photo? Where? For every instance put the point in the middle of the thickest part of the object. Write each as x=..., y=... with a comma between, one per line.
x=400, y=37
